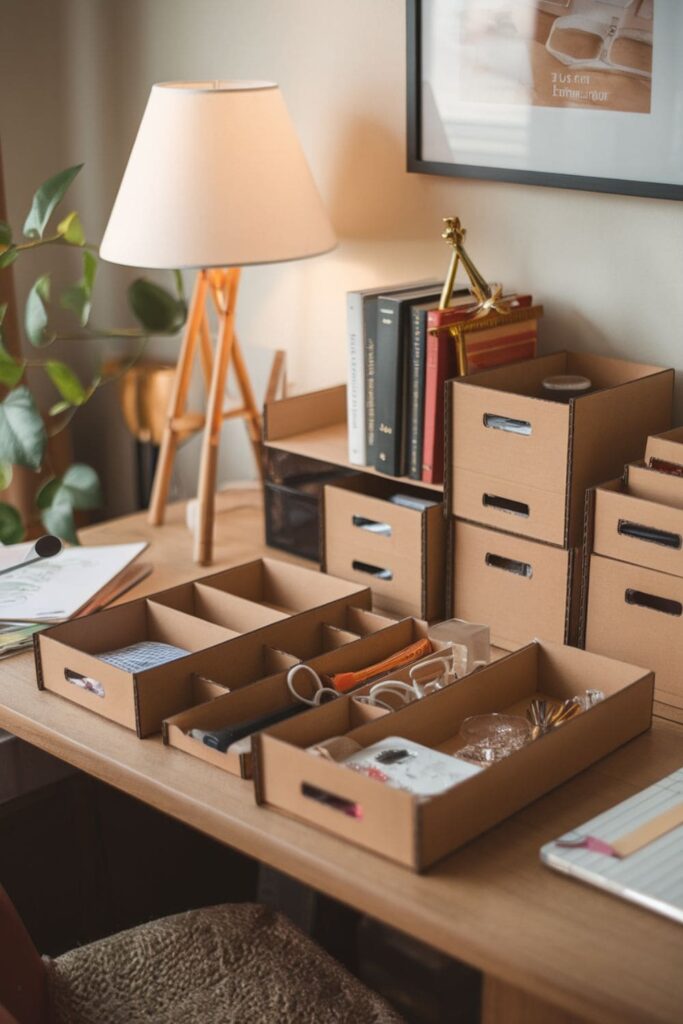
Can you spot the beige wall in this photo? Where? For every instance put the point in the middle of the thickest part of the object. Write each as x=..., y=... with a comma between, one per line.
x=606, y=267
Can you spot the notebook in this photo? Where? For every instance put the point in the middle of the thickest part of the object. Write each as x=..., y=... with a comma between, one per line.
x=651, y=875
x=58, y=588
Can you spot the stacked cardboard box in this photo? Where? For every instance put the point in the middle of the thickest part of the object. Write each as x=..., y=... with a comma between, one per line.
x=633, y=599
x=519, y=466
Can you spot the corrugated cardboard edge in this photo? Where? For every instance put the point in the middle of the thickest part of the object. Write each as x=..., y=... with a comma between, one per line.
x=39, y=665
x=449, y=602
x=448, y=442
x=570, y=467
x=588, y=531
x=256, y=756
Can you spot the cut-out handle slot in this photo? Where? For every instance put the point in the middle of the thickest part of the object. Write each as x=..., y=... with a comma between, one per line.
x=84, y=682
x=649, y=534
x=509, y=565
x=515, y=508
x=652, y=601
x=372, y=526
x=372, y=570
x=506, y=423
x=337, y=803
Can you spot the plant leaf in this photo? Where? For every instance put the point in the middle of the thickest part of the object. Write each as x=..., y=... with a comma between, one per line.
x=6, y=474
x=5, y=235
x=66, y=382
x=46, y=493
x=3, y=310
x=22, y=431
x=35, y=313
x=155, y=308
x=46, y=198
x=11, y=369
x=77, y=299
x=71, y=229
x=58, y=519
x=11, y=526
x=83, y=485
x=8, y=257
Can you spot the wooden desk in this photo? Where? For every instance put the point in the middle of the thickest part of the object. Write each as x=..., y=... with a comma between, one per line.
x=552, y=949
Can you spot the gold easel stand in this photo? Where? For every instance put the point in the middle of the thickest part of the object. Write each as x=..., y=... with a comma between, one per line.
x=221, y=286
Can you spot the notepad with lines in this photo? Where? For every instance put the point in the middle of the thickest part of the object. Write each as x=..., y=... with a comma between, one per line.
x=651, y=875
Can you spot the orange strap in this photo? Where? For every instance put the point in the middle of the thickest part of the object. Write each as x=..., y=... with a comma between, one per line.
x=345, y=681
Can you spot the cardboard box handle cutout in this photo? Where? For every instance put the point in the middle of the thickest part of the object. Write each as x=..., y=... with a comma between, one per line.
x=338, y=803
x=515, y=508
x=649, y=534
x=84, y=682
x=372, y=570
x=509, y=565
x=372, y=526
x=652, y=601
x=495, y=422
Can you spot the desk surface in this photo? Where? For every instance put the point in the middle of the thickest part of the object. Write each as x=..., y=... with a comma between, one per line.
x=491, y=904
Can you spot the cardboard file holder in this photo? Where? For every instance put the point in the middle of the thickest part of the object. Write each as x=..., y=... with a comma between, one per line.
x=521, y=463
x=418, y=832
x=399, y=552
x=212, y=620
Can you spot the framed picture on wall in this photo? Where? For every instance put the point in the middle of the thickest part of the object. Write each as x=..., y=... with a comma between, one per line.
x=583, y=94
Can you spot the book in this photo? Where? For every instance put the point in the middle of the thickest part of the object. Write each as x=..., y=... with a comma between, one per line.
x=393, y=330
x=416, y=378
x=59, y=588
x=440, y=366
x=361, y=326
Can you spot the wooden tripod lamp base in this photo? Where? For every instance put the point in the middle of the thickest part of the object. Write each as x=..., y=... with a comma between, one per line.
x=220, y=287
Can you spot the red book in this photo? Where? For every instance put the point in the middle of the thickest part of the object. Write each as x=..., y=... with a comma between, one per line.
x=440, y=366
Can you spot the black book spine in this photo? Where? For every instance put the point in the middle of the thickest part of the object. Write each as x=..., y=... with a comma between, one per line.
x=370, y=342
x=389, y=388
x=416, y=392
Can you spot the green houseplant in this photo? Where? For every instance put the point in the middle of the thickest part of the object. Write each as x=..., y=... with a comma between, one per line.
x=24, y=431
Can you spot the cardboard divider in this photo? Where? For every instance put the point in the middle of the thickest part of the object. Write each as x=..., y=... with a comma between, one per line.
x=522, y=588
x=280, y=586
x=270, y=694
x=399, y=552
x=652, y=485
x=213, y=605
x=509, y=442
x=417, y=832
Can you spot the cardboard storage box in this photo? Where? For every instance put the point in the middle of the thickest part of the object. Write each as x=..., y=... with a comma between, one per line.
x=623, y=524
x=633, y=586
x=519, y=462
x=667, y=446
x=416, y=832
x=307, y=608
x=271, y=693
x=522, y=588
x=399, y=552
x=637, y=614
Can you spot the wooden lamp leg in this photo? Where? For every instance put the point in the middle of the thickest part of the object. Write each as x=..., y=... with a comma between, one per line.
x=176, y=408
x=225, y=299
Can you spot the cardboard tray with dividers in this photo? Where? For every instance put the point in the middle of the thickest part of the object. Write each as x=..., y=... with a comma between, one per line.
x=239, y=617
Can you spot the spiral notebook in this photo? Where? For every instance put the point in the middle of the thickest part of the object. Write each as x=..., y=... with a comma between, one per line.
x=634, y=850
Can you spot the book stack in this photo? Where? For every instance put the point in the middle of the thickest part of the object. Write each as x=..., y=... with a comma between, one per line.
x=401, y=350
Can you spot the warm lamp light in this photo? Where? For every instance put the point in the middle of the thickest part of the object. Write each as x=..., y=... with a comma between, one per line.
x=216, y=180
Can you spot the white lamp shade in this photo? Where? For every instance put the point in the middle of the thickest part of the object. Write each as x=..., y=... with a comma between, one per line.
x=216, y=178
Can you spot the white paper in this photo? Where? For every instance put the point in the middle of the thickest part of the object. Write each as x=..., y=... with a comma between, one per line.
x=56, y=588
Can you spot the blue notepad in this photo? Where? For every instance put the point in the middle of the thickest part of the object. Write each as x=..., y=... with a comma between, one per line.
x=653, y=875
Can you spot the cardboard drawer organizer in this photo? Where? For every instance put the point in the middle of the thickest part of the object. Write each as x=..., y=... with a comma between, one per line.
x=633, y=596
x=417, y=831
x=518, y=467
x=235, y=625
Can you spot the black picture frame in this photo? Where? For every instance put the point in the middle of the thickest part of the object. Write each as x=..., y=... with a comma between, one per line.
x=416, y=163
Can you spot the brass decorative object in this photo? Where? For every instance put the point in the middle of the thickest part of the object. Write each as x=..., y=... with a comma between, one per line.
x=488, y=298
x=544, y=715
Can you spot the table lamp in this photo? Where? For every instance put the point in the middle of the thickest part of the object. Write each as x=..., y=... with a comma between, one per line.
x=216, y=180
